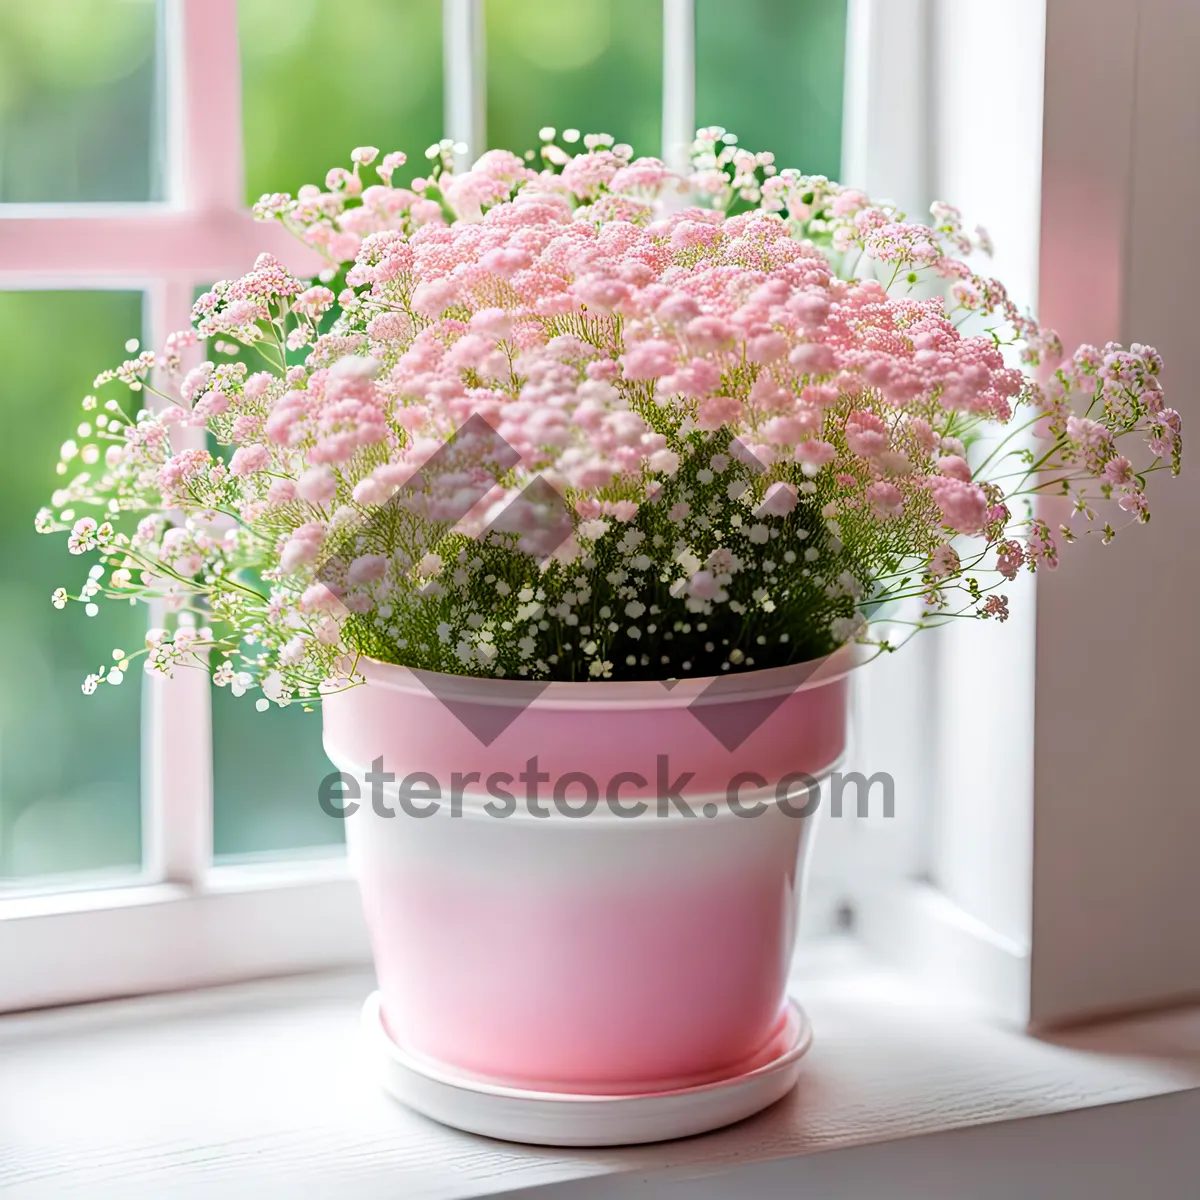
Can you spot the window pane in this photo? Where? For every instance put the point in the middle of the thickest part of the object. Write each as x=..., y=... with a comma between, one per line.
x=771, y=72
x=319, y=78
x=69, y=763
x=595, y=65
x=266, y=769
x=78, y=115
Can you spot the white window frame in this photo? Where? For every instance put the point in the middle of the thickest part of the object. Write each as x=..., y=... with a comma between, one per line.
x=184, y=921
x=945, y=888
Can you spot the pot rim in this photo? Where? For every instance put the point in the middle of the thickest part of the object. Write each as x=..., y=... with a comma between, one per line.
x=609, y=695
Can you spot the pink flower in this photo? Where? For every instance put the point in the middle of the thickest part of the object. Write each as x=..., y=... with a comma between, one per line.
x=1040, y=546
x=813, y=358
x=954, y=467
x=1118, y=471
x=709, y=334
x=1135, y=502
x=372, y=491
x=815, y=454
x=314, y=301
x=717, y=411
x=211, y=404
x=1010, y=558
x=885, y=498
x=944, y=561
x=318, y=485
x=302, y=547
x=766, y=348
x=432, y=298
x=648, y=360
x=249, y=460
x=281, y=491
x=866, y=434
x=963, y=506
x=296, y=553
x=996, y=606
x=321, y=598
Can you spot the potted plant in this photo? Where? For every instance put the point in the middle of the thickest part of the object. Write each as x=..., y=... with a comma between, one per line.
x=573, y=490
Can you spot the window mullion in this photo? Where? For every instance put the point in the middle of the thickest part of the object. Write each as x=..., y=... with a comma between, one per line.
x=465, y=68
x=679, y=81
x=204, y=104
x=178, y=804
x=889, y=110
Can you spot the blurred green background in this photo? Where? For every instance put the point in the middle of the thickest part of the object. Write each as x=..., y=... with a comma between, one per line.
x=80, y=120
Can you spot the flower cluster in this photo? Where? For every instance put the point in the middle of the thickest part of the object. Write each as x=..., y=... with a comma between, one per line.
x=578, y=416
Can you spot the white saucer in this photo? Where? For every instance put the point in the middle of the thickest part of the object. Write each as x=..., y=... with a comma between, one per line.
x=564, y=1119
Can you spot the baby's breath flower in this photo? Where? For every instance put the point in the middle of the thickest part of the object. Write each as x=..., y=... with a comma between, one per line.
x=723, y=446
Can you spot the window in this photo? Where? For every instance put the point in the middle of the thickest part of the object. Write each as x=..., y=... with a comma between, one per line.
x=168, y=836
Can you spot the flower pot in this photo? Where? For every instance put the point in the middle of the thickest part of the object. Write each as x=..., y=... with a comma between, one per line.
x=573, y=945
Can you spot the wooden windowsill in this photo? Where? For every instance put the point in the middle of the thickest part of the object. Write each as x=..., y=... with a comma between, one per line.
x=259, y=1090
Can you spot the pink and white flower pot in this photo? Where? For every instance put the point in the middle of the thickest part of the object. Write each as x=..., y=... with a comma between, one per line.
x=593, y=954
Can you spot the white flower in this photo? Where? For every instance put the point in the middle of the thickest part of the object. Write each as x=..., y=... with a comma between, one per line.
x=240, y=683
x=116, y=676
x=292, y=652
x=223, y=674
x=83, y=536
x=90, y=684
x=429, y=566
x=59, y=597
x=634, y=609
x=591, y=531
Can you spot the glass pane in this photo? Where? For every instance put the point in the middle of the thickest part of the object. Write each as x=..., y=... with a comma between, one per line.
x=266, y=770
x=78, y=118
x=69, y=763
x=319, y=78
x=771, y=72
x=593, y=65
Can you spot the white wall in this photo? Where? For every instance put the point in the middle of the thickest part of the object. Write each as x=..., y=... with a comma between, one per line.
x=986, y=159
x=1117, y=827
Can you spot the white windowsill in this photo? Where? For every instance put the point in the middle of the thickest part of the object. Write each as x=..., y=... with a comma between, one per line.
x=257, y=1090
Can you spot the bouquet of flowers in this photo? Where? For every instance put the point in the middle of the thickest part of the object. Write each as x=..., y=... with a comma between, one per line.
x=576, y=416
